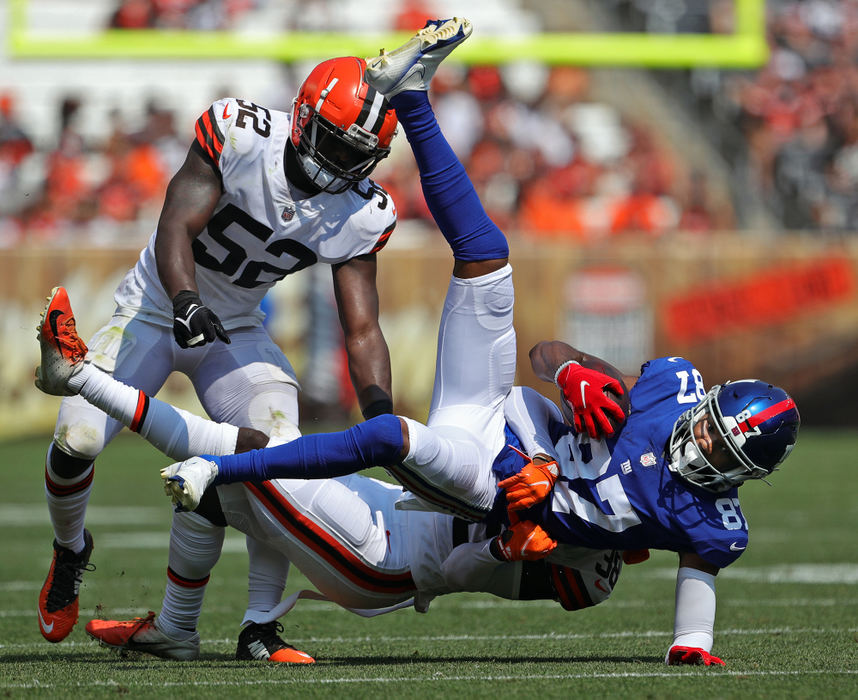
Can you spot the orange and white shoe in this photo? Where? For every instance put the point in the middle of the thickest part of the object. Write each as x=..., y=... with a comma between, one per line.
x=142, y=634
x=261, y=642
x=58, y=601
x=62, y=349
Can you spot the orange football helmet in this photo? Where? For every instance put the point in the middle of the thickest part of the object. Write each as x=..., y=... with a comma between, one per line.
x=341, y=127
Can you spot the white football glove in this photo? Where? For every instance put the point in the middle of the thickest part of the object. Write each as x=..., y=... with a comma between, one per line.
x=185, y=482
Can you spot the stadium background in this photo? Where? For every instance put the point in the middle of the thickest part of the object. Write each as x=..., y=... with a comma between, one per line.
x=704, y=206
x=675, y=177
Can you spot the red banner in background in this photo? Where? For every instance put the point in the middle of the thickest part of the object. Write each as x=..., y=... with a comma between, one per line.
x=778, y=295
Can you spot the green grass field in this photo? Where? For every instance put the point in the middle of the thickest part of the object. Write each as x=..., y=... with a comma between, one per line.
x=786, y=625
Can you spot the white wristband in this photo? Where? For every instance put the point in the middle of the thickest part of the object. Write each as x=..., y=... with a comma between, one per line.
x=561, y=368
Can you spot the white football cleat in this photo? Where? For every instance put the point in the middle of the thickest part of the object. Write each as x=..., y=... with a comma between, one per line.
x=143, y=634
x=412, y=65
x=186, y=482
x=62, y=349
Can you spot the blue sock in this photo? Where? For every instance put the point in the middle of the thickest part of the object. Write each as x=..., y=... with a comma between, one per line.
x=447, y=188
x=374, y=443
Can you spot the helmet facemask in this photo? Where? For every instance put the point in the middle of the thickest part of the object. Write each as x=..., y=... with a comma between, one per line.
x=332, y=158
x=727, y=465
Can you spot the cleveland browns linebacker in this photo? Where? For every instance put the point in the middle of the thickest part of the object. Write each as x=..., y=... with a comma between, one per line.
x=261, y=195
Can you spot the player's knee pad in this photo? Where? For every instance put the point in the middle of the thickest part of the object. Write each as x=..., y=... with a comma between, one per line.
x=80, y=437
x=492, y=297
x=276, y=406
x=282, y=431
x=349, y=518
x=65, y=465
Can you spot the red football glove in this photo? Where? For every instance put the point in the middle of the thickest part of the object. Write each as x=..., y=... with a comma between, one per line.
x=583, y=390
x=695, y=656
x=524, y=541
x=530, y=486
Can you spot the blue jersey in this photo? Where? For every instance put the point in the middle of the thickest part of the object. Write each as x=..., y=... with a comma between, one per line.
x=619, y=493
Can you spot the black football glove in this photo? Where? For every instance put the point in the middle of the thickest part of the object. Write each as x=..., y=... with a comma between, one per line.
x=193, y=323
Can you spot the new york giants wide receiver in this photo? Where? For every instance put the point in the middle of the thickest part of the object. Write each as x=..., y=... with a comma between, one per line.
x=667, y=480
x=261, y=195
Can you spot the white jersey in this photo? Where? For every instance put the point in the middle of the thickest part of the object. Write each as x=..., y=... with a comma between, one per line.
x=347, y=537
x=263, y=228
x=449, y=555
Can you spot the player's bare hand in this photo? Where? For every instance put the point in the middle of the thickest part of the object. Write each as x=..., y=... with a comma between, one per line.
x=530, y=486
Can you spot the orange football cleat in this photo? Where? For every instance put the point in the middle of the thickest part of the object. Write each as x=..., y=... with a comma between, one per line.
x=63, y=351
x=58, y=601
x=143, y=634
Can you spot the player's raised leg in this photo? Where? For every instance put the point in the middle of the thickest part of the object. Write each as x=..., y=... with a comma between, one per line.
x=403, y=76
x=475, y=365
x=58, y=599
x=195, y=543
x=63, y=372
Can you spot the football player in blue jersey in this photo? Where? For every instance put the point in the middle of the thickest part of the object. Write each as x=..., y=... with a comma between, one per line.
x=668, y=479
x=665, y=477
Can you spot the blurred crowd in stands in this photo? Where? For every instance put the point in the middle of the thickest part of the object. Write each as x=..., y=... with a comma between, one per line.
x=800, y=114
x=547, y=159
x=796, y=118
x=202, y=15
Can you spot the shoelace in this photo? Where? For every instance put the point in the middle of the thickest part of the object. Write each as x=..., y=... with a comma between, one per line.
x=269, y=635
x=68, y=574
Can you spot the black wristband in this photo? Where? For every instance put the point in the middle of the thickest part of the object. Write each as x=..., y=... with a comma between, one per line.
x=377, y=408
x=184, y=299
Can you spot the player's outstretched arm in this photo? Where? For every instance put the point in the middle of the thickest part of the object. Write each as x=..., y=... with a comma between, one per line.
x=368, y=355
x=585, y=382
x=192, y=196
x=694, y=618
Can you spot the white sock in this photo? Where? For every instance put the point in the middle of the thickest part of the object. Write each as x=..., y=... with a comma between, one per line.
x=268, y=570
x=67, y=500
x=177, y=433
x=195, y=546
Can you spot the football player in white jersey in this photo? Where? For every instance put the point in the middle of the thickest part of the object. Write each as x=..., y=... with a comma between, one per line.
x=346, y=534
x=262, y=194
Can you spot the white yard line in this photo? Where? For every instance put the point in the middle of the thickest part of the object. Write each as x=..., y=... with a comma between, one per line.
x=678, y=674
x=444, y=638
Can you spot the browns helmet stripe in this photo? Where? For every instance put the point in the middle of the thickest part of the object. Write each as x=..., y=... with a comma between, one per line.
x=321, y=542
x=372, y=111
